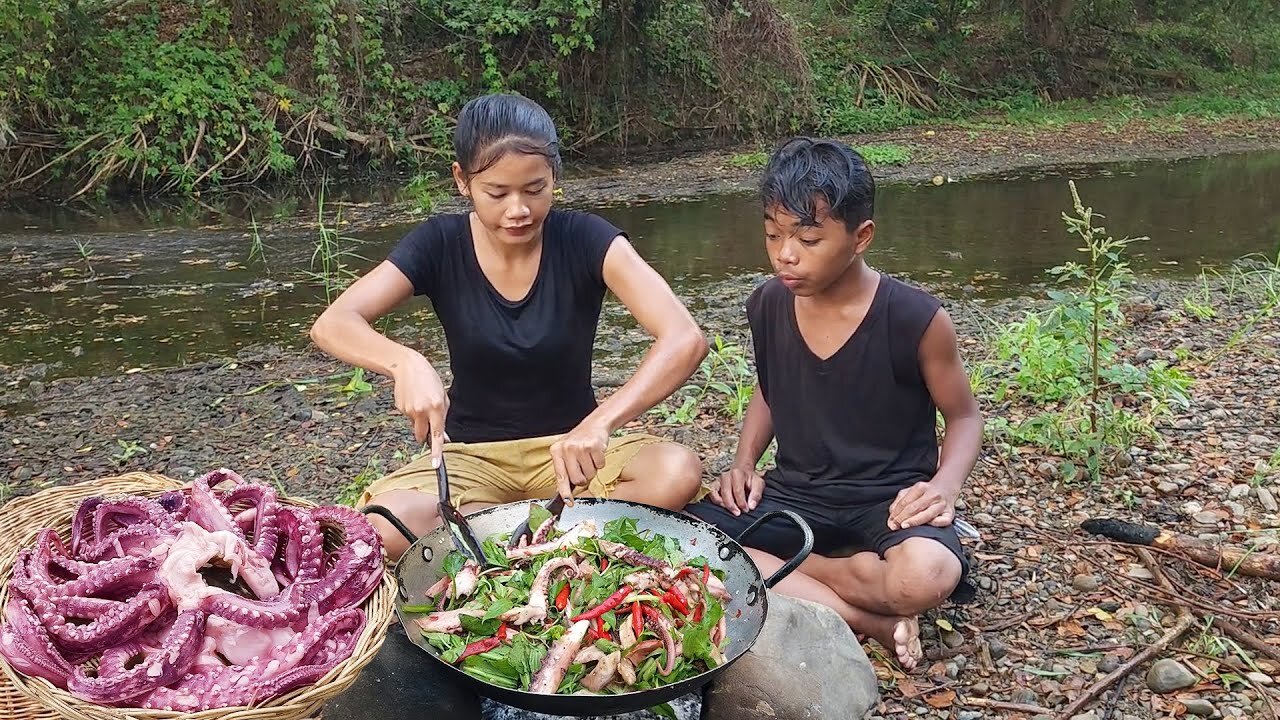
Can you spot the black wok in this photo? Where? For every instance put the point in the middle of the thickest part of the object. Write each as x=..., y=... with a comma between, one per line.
x=419, y=568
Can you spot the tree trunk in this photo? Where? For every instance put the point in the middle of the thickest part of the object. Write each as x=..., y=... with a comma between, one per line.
x=1046, y=22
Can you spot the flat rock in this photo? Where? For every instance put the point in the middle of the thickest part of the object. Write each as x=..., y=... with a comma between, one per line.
x=1167, y=675
x=806, y=664
x=1197, y=706
x=1267, y=499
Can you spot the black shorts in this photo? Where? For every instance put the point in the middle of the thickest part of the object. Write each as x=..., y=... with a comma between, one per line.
x=838, y=532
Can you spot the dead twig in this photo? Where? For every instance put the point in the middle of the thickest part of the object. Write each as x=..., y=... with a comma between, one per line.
x=1009, y=706
x=1248, y=639
x=1185, y=621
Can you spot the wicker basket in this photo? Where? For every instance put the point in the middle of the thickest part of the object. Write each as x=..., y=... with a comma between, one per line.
x=27, y=698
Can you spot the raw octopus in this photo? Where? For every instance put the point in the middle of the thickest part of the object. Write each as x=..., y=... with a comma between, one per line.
x=123, y=615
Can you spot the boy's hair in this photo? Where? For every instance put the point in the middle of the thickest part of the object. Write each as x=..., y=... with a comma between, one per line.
x=490, y=126
x=803, y=169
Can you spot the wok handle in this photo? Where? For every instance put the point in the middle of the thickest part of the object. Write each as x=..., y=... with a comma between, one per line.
x=805, y=548
x=391, y=518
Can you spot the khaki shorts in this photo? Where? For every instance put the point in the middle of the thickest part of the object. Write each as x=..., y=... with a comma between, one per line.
x=507, y=471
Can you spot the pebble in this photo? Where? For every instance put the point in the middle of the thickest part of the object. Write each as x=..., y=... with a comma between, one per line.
x=953, y=670
x=1218, y=414
x=22, y=473
x=1254, y=440
x=1259, y=678
x=1206, y=517
x=1049, y=470
x=1145, y=355
x=1167, y=675
x=952, y=639
x=318, y=416
x=997, y=650
x=984, y=519
x=979, y=689
x=1091, y=715
x=1167, y=487
x=1237, y=510
x=1267, y=500
x=1088, y=667
x=1197, y=706
x=1178, y=467
x=1025, y=696
x=1084, y=583
x=969, y=715
x=1239, y=491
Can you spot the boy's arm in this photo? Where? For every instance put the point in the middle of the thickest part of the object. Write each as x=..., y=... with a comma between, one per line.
x=933, y=502
x=739, y=490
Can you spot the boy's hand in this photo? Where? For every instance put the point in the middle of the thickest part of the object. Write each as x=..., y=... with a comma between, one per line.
x=738, y=490
x=921, y=504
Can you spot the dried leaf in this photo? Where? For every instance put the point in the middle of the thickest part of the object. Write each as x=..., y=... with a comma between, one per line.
x=1099, y=613
x=942, y=700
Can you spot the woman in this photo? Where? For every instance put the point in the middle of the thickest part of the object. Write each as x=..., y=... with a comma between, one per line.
x=518, y=288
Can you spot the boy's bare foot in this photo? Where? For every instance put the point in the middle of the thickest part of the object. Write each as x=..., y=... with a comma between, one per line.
x=899, y=635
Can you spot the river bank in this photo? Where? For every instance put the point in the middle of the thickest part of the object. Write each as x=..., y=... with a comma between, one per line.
x=1057, y=609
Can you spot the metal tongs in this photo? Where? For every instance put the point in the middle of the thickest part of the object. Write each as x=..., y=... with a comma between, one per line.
x=456, y=523
x=555, y=506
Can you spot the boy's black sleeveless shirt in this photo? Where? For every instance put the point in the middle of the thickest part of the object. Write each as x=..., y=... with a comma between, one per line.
x=859, y=426
x=520, y=369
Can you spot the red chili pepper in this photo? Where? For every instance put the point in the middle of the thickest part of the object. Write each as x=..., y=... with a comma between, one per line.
x=479, y=646
x=685, y=571
x=503, y=630
x=706, y=574
x=604, y=564
x=697, y=612
x=602, y=631
x=637, y=622
x=610, y=603
x=676, y=602
x=562, y=598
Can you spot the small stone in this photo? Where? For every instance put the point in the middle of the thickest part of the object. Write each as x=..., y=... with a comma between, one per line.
x=1156, y=469
x=1084, y=583
x=984, y=519
x=953, y=670
x=979, y=689
x=1254, y=440
x=985, y=583
x=1123, y=460
x=1145, y=355
x=1239, y=491
x=22, y=473
x=1091, y=715
x=318, y=416
x=1267, y=500
x=1168, y=675
x=36, y=388
x=302, y=414
x=1206, y=517
x=1182, y=423
x=1258, y=678
x=1218, y=414
x=1138, y=572
x=1025, y=696
x=1088, y=667
x=952, y=639
x=997, y=649
x=1049, y=470
x=1237, y=510
x=969, y=714
x=1178, y=467
x=1167, y=487
x=1197, y=706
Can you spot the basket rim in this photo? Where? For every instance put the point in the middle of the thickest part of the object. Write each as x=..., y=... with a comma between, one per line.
x=44, y=697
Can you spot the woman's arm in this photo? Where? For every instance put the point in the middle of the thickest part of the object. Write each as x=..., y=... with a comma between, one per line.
x=678, y=348
x=345, y=331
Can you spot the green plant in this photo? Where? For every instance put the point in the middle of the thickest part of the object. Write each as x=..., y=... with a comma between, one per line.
x=726, y=374
x=86, y=253
x=330, y=261
x=749, y=160
x=427, y=191
x=350, y=493
x=128, y=449
x=356, y=384
x=877, y=155
x=256, y=247
x=1066, y=361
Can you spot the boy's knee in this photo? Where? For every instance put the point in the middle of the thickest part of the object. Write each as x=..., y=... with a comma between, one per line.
x=922, y=574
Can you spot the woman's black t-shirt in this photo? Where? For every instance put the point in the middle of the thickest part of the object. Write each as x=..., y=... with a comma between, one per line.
x=520, y=369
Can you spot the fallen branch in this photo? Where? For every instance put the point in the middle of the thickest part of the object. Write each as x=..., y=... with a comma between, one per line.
x=1234, y=559
x=1010, y=706
x=1248, y=639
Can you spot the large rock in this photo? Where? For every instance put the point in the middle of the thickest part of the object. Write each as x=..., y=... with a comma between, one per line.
x=807, y=664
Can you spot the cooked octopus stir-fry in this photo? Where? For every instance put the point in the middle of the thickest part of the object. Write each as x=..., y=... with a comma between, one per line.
x=579, y=611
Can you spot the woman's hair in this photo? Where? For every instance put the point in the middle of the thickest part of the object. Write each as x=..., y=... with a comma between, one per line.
x=491, y=126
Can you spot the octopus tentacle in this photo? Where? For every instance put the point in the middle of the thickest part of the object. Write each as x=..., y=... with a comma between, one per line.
x=158, y=669
x=283, y=609
x=262, y=514
x=354, y=575
x=27, y=646
x=82, y=523
x=124, y=512
x=207, y=510
x=301, y=541
x=305, y=659
x=119, y=623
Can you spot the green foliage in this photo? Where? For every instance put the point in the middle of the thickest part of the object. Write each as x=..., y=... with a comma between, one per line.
x=877, y=155
x=1067, y=361
x=725, y=376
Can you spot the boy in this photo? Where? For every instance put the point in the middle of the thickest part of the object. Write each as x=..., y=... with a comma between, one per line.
x=853, y=366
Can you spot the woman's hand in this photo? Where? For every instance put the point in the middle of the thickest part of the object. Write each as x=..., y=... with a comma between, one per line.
x=578, y=456
x=421, y=397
